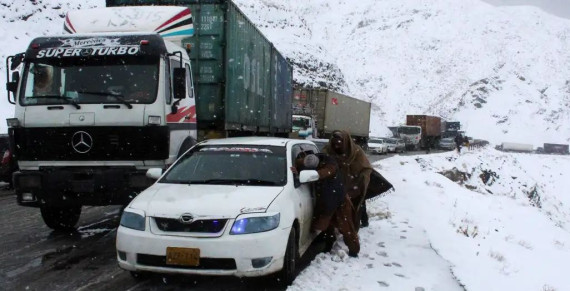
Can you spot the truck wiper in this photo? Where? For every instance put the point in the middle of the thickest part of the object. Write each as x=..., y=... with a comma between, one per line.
x=69, y=100
x=114, y=95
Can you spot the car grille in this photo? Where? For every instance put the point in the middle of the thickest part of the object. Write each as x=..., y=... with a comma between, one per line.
x=202, y=226
x=205, y=263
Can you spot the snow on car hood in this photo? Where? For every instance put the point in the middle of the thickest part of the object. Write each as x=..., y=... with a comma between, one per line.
x=221, y=201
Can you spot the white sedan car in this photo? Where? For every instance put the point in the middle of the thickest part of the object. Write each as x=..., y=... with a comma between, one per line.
x=377, y=146
x=226, y=207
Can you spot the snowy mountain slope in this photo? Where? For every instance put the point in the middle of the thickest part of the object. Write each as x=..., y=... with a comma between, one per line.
x=437, y=234
x=501, y=70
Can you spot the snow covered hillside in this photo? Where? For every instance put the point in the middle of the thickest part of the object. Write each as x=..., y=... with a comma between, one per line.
x=501, y=70
x=482, y=220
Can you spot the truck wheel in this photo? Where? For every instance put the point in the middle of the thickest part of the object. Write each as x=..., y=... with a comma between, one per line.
x=287, y=275
x=61, y=218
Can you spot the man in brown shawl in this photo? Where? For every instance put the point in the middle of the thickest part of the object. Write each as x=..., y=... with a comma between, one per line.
x=355, y=167
x=333, y=207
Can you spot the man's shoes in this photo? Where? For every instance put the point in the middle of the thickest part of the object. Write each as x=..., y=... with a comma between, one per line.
x=352, y=254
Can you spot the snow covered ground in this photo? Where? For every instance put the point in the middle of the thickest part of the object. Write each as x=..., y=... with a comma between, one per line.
x=508, y=233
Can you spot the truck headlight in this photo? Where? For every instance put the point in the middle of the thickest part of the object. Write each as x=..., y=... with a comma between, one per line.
x=154, y=120
x=133, y=219
x=255, y=224
x=13, y=122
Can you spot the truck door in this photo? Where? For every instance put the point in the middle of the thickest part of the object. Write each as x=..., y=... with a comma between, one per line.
x=182, y=122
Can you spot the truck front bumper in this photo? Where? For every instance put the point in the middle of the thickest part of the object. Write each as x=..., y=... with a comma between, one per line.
x=79, y=185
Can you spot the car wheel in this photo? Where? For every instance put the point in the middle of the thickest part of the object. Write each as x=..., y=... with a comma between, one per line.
x=289, y=271
x=61, y=218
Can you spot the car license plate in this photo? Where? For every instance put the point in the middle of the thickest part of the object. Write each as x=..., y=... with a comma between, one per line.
x=182, y=256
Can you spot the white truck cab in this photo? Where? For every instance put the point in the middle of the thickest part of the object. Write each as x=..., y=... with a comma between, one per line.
x=96, y=108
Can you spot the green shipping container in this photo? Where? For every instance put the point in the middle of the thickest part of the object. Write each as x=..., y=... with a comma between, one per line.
x=241, y=81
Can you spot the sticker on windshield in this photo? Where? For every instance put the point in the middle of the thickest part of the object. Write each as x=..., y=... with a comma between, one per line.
x=236, y=149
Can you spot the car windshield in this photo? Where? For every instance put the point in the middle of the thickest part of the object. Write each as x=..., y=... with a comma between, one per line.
x=390, y=141
x=409, y=130
x=90, y=81
x=376, y=141
x=230, y=165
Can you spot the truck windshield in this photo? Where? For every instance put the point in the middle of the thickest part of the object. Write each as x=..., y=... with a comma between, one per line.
x=301, y=122
x=409, y=130
x=231, y=165
x=90, y=81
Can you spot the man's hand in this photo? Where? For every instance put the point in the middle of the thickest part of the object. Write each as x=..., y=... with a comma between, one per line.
x=294, y=170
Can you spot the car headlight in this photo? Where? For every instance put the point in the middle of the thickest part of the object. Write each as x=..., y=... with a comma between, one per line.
x=133, y=219
x=255, y=224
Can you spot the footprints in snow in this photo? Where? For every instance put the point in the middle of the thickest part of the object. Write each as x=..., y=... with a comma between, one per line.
x=404, y=224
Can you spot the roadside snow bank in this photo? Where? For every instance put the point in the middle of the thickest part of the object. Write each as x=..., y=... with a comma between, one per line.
x=505, y=227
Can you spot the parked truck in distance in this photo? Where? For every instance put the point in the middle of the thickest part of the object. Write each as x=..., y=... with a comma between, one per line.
x=430, y=130
x=516, y=147
x=318, y=112
x=552, y=148
x=450, y=128
x=119, y=94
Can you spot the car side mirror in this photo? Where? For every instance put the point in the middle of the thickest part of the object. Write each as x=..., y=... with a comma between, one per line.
x=179, y=83
x=308, y=176
x=154, y=173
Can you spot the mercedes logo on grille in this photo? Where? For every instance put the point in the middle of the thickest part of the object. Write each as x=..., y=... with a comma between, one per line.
x=186, y=218
x=81, y=142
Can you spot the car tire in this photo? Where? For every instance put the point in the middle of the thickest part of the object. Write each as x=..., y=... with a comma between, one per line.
x=60, y=218
x=287, y=275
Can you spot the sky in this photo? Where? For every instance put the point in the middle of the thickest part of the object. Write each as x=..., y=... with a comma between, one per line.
x=557, y=7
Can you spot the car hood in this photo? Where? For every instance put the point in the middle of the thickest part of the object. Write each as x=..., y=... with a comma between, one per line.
x=220, y=201
x=374, y=145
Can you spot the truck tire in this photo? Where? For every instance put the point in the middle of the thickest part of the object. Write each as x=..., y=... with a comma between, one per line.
x=287, y=275
x=61, y=218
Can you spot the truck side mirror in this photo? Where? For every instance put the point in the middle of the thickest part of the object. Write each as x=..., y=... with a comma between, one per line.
x=12, y=86
x=179, y=83
x=16, y=61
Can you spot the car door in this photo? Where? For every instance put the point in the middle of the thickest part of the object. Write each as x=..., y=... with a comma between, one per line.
x=305, y=194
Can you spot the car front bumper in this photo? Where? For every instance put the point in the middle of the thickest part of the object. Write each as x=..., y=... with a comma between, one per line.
x=227, y=255
x=376, y=150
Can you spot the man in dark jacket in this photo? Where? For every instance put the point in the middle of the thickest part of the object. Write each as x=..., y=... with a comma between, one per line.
x=458, y=142
x=333, y=207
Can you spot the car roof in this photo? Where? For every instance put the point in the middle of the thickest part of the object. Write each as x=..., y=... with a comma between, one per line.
x=252, y=140
x=318, y=140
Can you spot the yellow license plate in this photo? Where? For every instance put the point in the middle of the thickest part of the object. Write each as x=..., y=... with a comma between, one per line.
x=182, y=256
